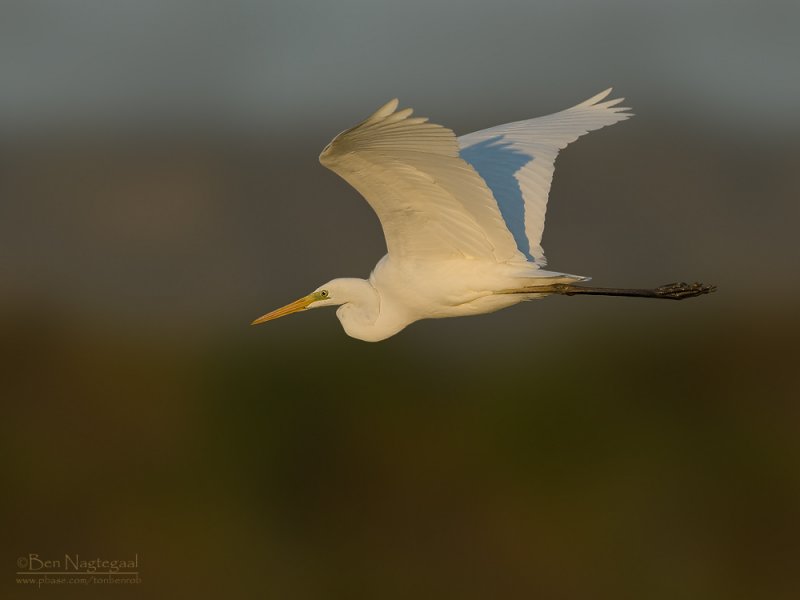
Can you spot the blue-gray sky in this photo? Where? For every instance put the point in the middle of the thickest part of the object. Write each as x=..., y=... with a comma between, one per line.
x=285, y=66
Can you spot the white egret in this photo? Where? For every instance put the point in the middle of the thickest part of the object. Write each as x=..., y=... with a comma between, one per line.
x=463, y=218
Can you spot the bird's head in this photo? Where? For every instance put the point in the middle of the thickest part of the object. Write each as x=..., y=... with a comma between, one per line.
x=328, y=294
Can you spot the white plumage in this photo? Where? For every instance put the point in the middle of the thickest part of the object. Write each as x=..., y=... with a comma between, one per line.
x=463, y=217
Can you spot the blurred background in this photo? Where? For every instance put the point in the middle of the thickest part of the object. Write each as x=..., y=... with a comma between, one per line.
x=159, y=189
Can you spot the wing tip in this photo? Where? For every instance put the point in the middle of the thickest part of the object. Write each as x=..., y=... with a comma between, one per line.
x=597, y=97
x=599, y=101
x=384, y=111
x=381, y=115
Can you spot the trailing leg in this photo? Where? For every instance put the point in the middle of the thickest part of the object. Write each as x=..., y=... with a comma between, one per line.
x=671, y=291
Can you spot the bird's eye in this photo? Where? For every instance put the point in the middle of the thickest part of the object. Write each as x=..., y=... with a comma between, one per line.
x=324, y=293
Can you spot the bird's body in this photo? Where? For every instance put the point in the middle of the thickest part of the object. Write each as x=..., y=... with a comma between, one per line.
x=463, y=217
x=400, y=292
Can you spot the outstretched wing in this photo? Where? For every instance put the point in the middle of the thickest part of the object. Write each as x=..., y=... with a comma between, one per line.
x=430, y=202
x=517, y=161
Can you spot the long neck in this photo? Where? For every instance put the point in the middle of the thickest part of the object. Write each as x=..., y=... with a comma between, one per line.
x=361, y=308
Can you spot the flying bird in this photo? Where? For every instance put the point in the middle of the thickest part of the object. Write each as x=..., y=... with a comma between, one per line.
x=462, y=216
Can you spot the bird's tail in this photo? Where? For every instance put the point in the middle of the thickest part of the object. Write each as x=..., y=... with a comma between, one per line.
x=532, y=276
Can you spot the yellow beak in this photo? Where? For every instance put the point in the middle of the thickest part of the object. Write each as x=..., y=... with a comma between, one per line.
x=294, y=307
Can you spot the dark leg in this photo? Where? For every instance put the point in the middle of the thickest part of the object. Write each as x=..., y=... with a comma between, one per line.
x=671, y=291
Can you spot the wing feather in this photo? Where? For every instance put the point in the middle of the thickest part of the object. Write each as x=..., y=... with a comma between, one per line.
x=430, y=202
x=517, y=161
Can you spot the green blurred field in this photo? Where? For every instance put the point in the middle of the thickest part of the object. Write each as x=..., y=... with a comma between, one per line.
x=637, y=459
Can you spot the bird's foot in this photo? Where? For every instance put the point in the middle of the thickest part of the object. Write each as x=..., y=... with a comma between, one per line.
x=679, y=291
